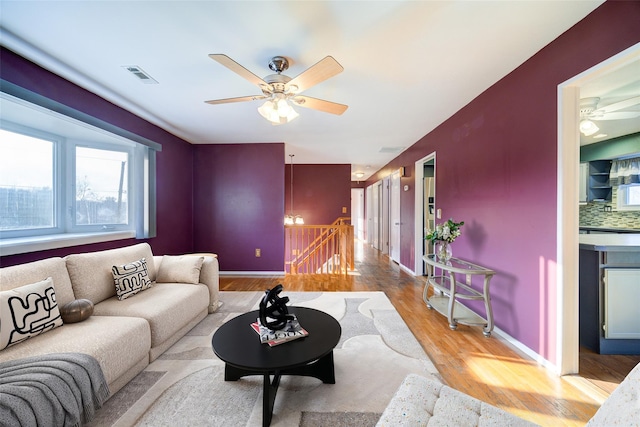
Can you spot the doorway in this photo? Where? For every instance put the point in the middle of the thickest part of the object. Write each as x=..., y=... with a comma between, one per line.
x=394, y=217
x=357, y=212
x=568, y=345
x=425, y=208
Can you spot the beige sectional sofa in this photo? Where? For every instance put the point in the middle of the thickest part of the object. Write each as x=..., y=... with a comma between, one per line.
x=123, y=335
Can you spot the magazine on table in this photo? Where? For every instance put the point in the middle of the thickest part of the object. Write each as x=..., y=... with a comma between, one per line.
x=290, y=332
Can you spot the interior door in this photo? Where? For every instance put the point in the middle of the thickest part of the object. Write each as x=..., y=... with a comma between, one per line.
x=357, y=212
x=384, y=216
x=394, y=217
x=369, y=214
x=375, y=214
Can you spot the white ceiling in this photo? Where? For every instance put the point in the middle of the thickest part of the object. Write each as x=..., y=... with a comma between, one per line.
x=408, y=65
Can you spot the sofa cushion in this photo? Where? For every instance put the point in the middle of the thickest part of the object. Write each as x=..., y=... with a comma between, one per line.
x=90, y=273
x=131, y=278
x=28, y=311
x=167, y=307
x=32, y=272
x=420, y=401
x=103, y=337
x=180, y=269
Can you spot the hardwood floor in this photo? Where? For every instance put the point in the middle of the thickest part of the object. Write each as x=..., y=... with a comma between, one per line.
x=489, y=369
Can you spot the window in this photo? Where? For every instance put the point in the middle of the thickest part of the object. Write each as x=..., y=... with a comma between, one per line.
x=101, y=188
x=629, y=197
x=65, y=182
x=27, y=194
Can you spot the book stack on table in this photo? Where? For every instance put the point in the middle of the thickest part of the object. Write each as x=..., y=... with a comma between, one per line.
x=290, y=332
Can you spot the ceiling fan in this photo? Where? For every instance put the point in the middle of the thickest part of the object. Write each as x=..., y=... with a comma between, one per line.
x=589, y=112
x=279, y=89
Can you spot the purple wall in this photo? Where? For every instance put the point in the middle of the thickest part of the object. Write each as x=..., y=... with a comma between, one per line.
x=496, y=167
x=239, y=204
x=174, y=162
x=319, y=192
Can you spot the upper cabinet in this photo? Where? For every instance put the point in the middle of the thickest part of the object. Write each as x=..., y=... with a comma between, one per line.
x=599, y=186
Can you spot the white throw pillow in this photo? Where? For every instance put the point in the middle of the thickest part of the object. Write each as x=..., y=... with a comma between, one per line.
x=180, y=269
x=28, y=311
x=131, y=278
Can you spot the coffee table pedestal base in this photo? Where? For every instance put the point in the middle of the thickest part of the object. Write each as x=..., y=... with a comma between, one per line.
x=321, y=369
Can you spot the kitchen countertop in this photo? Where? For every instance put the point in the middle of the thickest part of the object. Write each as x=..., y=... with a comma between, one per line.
x=609, y=229
x=610, y=242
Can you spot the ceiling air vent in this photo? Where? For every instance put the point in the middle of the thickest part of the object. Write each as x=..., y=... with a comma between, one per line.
x=140, y=74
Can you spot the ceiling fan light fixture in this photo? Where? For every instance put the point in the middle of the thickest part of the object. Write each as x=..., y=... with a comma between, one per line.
x=588, y=128
x=277, y=111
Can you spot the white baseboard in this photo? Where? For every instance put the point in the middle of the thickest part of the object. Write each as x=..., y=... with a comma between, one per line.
x=251, y=273
x=407, y=270
x=526, y=350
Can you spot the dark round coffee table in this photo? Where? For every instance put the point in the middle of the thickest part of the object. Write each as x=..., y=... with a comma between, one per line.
x=238, y=345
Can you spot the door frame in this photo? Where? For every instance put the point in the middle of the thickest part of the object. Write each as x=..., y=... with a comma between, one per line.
x=418, y=216
x=567, y=214
x=394, y=217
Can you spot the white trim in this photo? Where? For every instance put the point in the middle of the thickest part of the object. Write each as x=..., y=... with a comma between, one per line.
x=567, y=340
x=250, y=273
x=418, y=214
x=524, y=349
x=407, y=269
x=54, y=241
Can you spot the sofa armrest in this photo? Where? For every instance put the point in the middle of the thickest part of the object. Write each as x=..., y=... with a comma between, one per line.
x=210, y=276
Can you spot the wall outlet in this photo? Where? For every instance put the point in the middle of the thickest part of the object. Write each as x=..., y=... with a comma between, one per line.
x=344, y=209
x=258, y=253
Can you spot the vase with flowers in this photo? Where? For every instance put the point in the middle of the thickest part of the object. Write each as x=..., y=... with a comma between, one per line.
x=442, y=237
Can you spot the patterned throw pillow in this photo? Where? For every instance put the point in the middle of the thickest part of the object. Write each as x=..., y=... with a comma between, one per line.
x=131, y=278
x=28, y=311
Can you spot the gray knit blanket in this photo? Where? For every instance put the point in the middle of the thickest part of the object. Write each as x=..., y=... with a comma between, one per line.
x=61, y=389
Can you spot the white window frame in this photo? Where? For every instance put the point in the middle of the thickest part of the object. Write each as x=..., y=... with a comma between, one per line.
x=70, y=187
x=622, y=204
x=58, y=165
x=141, y=178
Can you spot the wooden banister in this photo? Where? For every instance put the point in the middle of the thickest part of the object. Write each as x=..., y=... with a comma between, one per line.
x=320, y=249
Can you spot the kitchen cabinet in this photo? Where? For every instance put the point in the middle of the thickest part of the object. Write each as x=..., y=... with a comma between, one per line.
x=622, y=303
x=584, y=181
x=599, y=186
x=609, y=293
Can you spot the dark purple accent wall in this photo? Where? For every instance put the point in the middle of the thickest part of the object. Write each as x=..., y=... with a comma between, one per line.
x=239, y=204
x=174, y=162
x=319, y=192
x=496, y=162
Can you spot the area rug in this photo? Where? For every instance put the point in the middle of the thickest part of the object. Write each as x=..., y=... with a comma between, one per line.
x=186, y=387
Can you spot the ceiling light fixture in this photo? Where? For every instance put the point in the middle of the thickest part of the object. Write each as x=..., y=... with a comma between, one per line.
x=292, y=219
x=588, y=128
x=277, y=110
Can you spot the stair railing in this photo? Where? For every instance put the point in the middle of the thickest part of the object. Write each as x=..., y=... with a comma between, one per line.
x=320, y=249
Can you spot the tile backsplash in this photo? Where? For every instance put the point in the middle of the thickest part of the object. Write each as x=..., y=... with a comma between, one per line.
x=593, y=215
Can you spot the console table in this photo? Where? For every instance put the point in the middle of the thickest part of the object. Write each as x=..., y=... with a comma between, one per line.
x=448, y=291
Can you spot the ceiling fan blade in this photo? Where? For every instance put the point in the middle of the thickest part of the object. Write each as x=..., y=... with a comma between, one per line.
x=619, y=105
x=320, y=104
x=238, y=69
x=620, y=115
x=317, y=73
x=239, y=99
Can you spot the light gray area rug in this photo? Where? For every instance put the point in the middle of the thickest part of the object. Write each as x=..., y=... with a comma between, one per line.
x=186, y=386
